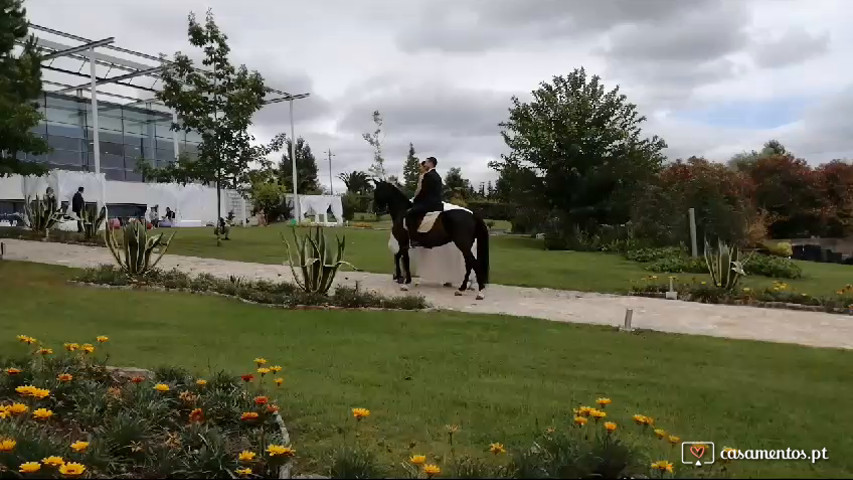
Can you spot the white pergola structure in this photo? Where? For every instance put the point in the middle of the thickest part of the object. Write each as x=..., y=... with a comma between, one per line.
x=120, y=74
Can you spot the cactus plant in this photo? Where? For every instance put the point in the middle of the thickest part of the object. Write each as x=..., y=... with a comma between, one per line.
x=91, y=223
x=318, y=263
x=133, y=254
x=41, y=214
x=724, y=265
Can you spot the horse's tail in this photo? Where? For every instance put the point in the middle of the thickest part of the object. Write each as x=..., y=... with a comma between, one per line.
x=481, y=233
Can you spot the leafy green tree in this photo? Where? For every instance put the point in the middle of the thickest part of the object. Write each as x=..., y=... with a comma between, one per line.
x=577, y=150
x=20, y=87
x=357, y=182
x=217, y=103
x=411, y=171
x=377, y=169
x=455, y=185
x=306, y=168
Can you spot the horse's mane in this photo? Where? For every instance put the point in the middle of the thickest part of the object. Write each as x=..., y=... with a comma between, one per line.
x=393, y=190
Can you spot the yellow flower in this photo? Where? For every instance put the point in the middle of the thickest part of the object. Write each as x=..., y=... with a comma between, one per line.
x=42, y=414
x=662, y=465
x=263, y=371
x=747, y=289
x=45, y=351
x=660, y=432
x=609, y=426
x=248, y=416
x=583, y=411
x=417, y=459
x=201, y=382
x=29, y=467
x=53, y=461
x=103, y=339
x=25, y=390
x=431, y=470
x=244, y=471
x=642, y=419
x=360, y=413
x=581, y=421
x=603, y=402
x=26, y=339
x=497, y=448
x=161, y=387
x=597, y=414
x=261, y=361
x=79, y=446
x=72, y=469
x=279, y=381
x=7, y=445
x=275, y=369
x=71, y=346
x=673, y=439
x=280, y=451
x=4, y=412
x=704, y=282
x=65, y=377
x=40, y=393
x=18, y=409
x=246, y=456
x=88, y=348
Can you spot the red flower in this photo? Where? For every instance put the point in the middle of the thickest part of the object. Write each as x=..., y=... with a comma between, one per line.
x=261, y=400
x=248, y=377
x=272, y=409
x=197, y=415
x=137, y=379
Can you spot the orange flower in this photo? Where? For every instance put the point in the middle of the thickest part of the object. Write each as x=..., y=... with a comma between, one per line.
x=45, y=351
x=249, y=416
x=13, y=371
x=279, y=381
x=603, y=402
x=360, y=413
x=79, y=446
x=137, y=380
x=248, y=377
x=197, y=416
x=272, y=409
x=88, y=348
x=247, y=456
x=201, y=382
x=261, y=400
x=431, y=470
x=103, y=339
x=609, y=426
x=275, y=368
x=417, y=459
x=244, y=471
x=71, y=346
x=497, y=448
x=65, y=377
x=581, y=421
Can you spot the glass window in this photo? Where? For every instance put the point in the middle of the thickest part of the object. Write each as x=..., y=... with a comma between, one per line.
x=132, y=176
x=110, y=120
x=166, y=155
x=111, y=161
x=63, y=157
x=64, y=143
x=192, y=148
x=164, y=144
x=113, y=174
x=112, y=148
x=69, y=131
x=66, y=110
x=133, y=152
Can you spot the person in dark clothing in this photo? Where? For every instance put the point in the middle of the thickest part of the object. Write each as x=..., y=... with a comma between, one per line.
x=427, y=199
x=77, y=204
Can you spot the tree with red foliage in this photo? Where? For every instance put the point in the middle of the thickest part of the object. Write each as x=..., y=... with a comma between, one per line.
x=787, y=188
x=835, y=184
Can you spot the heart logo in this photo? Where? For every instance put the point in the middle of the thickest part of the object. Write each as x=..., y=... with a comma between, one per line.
x=697, y=450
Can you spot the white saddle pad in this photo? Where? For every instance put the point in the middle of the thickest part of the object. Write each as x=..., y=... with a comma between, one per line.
x=430, y=218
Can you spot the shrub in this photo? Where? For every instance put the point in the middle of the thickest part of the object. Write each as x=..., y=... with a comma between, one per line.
x=724, y=265
x=269, y=197
x=780, y=249
x=774, y=267
x=644, y=255
x=350, y=205
x=41, y=214
x=318, y=263
x=678, y=264
x=134, y=252
x=493, y=210
x=92, y=222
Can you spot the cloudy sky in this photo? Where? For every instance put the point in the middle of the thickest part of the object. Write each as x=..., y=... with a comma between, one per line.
x=714, y=77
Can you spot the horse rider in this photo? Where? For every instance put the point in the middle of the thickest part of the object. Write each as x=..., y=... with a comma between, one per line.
x=427, y=198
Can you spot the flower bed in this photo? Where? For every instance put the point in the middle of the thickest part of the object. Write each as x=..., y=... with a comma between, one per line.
x=55, y=235
x=63, y=413
x=255, y=291
x=780, y=295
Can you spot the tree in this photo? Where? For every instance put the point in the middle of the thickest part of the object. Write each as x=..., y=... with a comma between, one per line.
x=577, y=150
x=20, y=87
x=745, y=161
x=788, y=190
x=377, y=169
x=411, y=171
x=394, y=180
x=306, y=168
x=217, y=103
x=489, y=189
x=456, y=186
x=357, y=182
x=835, y=182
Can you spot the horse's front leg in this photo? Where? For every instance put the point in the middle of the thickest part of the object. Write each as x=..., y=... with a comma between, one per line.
x=407, y=265
x=398, y=277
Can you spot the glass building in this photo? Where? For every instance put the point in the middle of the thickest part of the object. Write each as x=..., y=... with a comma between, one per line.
x=126, y=134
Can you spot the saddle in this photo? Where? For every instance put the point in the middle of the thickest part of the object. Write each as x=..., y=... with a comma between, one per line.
x=430, y=218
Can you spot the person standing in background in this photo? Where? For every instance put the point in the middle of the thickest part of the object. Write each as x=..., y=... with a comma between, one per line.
x=77, y=204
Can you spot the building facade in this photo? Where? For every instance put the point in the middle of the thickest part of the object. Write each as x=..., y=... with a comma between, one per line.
x=126, y=135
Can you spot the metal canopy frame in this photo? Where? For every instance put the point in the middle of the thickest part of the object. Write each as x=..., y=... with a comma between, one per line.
x=131, y=65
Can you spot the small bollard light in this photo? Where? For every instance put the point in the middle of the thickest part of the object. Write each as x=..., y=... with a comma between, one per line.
x=629, y=315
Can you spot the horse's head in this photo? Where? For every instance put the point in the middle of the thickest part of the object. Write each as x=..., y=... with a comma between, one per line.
x=386, y=195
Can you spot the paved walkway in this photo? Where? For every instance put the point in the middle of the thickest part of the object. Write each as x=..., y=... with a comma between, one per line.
x=774, y=325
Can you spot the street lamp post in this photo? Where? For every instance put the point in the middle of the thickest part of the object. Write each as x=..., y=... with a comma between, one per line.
x=296, y=210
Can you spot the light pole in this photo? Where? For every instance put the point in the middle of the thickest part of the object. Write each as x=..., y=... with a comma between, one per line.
x=331, y=187
x=296, y=210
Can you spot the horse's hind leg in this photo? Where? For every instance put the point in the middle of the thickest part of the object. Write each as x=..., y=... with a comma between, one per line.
x=469, y=265
x=398, y=277
x=408, y=267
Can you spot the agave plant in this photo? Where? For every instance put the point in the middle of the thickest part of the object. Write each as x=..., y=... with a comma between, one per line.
x=724, y=265
x=317, y=262
x=41, y=214
x=91, y=223
x=133, y=254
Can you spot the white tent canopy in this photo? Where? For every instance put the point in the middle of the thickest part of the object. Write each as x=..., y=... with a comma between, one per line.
x=319, y=206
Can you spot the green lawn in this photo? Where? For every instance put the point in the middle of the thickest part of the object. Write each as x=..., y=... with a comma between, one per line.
x=515, y=260
x=500, y=378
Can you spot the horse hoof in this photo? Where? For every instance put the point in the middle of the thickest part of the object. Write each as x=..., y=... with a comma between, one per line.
x=457, y=293
x=481, y=296
x=448, y=284
x=404, y=288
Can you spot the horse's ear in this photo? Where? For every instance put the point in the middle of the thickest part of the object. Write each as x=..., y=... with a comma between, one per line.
x=375, y=182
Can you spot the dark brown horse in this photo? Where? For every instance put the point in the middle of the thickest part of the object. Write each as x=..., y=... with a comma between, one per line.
x=458, y=226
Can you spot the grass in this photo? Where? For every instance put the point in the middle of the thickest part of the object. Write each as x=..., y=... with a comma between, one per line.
x=515, y=260
x=500, y=378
